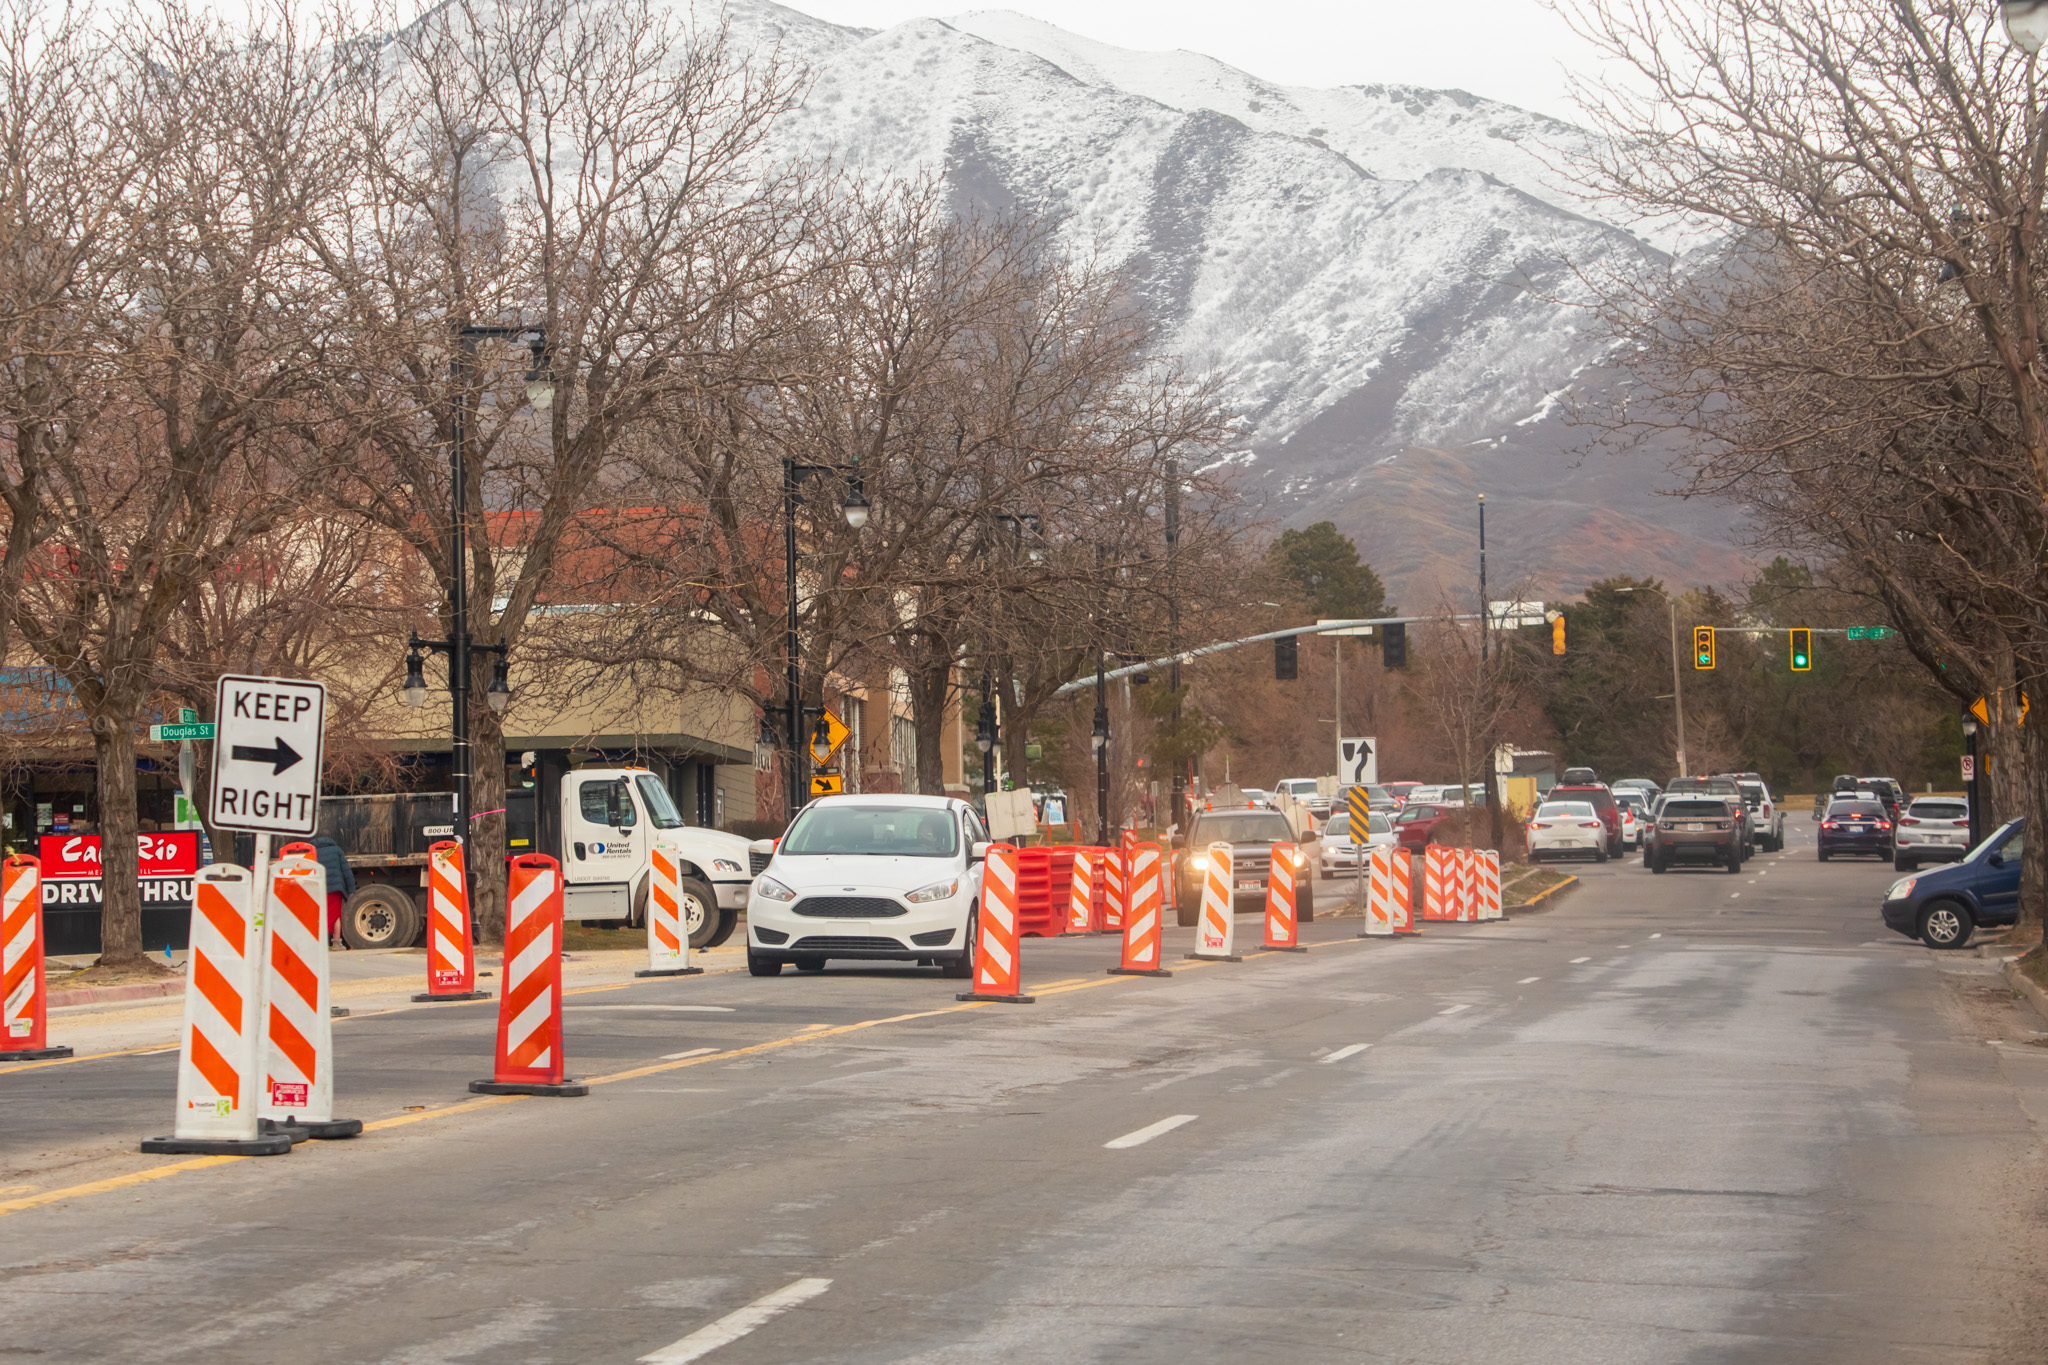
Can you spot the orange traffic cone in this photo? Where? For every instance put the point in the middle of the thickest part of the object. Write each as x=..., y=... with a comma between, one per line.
x=998, y=961
x=529, y=1060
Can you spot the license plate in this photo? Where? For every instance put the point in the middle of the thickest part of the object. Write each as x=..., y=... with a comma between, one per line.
x=1856, y=829
x=1694, y=829
x=1249, y=886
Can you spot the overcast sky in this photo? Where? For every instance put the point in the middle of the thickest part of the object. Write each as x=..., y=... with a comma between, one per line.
x=1513, y=50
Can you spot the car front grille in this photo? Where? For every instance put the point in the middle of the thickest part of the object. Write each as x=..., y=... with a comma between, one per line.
x=757, y=862
x=937, y=938
x=849, y=907
x=845, y=943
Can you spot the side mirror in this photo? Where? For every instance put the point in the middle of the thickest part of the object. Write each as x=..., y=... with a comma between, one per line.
x=762, y=846
x=1997, y=859
x=979, y=852
x=613, y=812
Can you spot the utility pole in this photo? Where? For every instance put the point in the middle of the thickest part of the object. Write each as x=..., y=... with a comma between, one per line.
x=1180, y=765
x=1485, y=611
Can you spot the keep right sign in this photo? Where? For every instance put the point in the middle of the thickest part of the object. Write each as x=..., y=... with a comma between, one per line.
x=268, y=755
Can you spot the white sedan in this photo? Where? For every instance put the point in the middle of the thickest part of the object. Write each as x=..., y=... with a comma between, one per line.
x=874, y=877
x=1342, y=858
x=1561, y=827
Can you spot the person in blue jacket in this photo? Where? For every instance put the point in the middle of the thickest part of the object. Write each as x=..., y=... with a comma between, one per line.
x=341, y=884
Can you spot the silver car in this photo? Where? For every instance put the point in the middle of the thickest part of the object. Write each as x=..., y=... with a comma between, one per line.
x=1342, y=858
x=1934, y=829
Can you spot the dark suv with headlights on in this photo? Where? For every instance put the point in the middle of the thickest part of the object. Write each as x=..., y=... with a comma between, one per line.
x=1251, y=835
x=1697, y=829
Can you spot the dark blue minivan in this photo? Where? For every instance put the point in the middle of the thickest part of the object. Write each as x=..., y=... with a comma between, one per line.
x=1942, y=907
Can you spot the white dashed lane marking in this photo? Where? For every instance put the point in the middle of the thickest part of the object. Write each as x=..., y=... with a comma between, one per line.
x=1341, y=1053
x=1150, y=1131
x=736, y=1324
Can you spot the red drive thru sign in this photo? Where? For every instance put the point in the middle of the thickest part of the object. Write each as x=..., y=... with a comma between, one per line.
x=267, y=754
x=71, y=868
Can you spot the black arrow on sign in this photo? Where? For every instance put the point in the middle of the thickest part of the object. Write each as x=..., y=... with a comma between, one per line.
x=283, y=756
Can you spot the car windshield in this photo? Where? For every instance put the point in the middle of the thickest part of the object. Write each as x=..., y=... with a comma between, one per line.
x=1563, y=810
x=660, y=809
x=1248, y=828
x=1693, y=810
x=1856, y=810
x=1938, y=810
x=886, y=831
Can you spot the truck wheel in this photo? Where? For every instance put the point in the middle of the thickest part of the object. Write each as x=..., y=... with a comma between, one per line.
x=699, y=910
x=379, y=916
x=728, y=920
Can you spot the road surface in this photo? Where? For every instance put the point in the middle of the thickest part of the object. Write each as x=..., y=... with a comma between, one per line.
x=1693, y=1117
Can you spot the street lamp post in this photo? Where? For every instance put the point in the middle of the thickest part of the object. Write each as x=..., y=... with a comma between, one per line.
x=1677, y=687
x=985, y=738
x=855, y=509
x=540, y=392
x=2026, y=23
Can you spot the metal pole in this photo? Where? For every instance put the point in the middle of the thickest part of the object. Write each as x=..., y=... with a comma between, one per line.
x=1337, y=704
x=1971, y=787
x=1102, y=750
x=1677, y=685
x=795, y=679
x=460, y=757
x=1180, y=766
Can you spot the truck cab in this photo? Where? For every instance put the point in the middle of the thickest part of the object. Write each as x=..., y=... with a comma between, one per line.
x=601, y=824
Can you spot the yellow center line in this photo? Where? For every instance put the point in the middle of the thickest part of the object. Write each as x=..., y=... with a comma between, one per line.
x=116, y=1182
x=89, y=1057
x=467, y=1106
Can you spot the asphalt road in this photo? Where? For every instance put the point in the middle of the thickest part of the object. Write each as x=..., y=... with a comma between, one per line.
x=1691, y=1117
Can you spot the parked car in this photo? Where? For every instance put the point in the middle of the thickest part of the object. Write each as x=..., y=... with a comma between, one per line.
x=1891, y=793
x=1567, y=828
x=1376, y=798
x=1934, y=829
x=1339, y=857
x=1943, y=907
x=1697, y=829
x=1856, y=825
x=1417, y=823
x=1401, y=791
x=875, y=877
x=1580, y=777
x=1602, y=801
x=1644, y=785
x=1436, y=796
x=1304, y=789
x=1251, y=835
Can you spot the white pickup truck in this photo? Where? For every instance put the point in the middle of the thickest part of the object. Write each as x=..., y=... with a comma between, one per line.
x=603, y=825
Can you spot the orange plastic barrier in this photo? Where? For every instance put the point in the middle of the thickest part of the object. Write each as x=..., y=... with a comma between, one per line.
x=451, y=955
x=998, y=959
x=1142, y=920
x=24, y=1002
x=1280, y=882
x=1215, y=932
x=298, y=1028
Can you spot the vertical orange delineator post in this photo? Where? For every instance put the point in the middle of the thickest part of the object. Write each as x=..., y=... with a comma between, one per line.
x=668, y=937
x=1280, y=884
x=298, y=1030
x=529, y=1059
x=24, y=1004
x=1081, y=892
x=1142, y=921
x=1215, y=931
x=998, y=958
x=451, y=952
x=220, y=1057
x=1115, y=890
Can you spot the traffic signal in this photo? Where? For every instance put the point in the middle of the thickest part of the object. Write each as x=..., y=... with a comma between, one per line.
x=1394, y=645
x=1702, y=646
x=1287, y=658
x=1802, y=650
x=1557, y=635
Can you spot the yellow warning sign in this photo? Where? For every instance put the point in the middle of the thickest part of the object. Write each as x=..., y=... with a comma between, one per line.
x=1982, y=711
x=827, y=784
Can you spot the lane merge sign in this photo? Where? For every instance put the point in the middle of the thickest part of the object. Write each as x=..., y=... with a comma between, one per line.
x=268, y=754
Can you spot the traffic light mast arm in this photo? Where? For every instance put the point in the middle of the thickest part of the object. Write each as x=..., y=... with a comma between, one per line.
x=1189, y=655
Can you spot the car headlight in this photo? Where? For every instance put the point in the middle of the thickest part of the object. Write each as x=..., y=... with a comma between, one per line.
x=937, y=891
x=1199, y=860
x=1901, y=889
x=726, y=865
x=772, y=889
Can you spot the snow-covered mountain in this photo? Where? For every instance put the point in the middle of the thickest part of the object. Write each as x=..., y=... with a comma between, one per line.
x=1384, y=276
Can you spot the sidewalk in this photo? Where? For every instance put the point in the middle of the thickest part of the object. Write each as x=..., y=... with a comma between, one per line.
x=365, y=981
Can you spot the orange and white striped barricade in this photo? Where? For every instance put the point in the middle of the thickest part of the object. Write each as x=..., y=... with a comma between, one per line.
x=1468, y=884
x=1381, y=889
x=529, y=1059
x=1142, y=922
x=220, y=1056
x=1439, y=883
x=668, y=937
x=298, y=1029
x=1081, y=893
x=1281, y=881
x=1215, y=931
x=1489, y=886
x=998, y=959
x=451, y=952
x=24, y=1005
x=1115, y=888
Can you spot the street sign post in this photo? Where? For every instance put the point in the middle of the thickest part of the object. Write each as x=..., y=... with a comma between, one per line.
x=1358, y=760
x=268, y=755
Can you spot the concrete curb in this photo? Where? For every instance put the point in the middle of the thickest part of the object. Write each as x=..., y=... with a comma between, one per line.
x=107, y=995
x=2020, y=982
